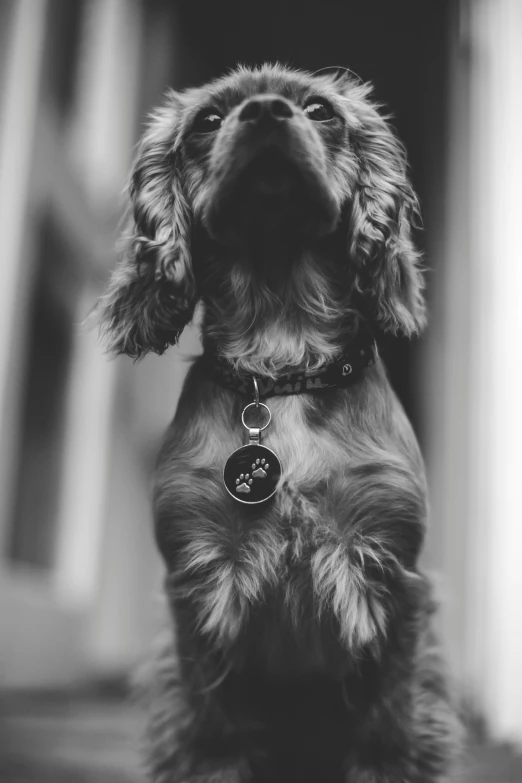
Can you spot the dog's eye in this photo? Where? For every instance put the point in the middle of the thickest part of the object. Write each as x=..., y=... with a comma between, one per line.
x=319, y=110
x=207, y=121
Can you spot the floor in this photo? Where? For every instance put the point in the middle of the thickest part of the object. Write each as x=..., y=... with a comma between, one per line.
x=95, y=740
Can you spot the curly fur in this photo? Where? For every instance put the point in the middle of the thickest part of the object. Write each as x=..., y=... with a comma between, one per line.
x=152, y=294
x=300, y=646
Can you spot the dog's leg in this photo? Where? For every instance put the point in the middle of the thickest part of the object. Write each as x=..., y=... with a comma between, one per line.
x=427, y=755
x=364, y=572
x=189, y=738
x=410, y=732
x=364, y=564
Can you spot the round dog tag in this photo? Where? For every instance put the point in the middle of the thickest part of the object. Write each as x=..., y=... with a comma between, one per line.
x=251, y=473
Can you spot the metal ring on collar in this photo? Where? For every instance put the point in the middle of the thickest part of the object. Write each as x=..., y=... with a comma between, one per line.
x=259, y=405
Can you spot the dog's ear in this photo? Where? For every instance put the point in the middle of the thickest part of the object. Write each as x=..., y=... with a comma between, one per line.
x=152, y=294
x=383, y=208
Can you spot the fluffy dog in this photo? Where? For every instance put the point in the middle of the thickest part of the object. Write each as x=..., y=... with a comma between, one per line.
x=301, y=647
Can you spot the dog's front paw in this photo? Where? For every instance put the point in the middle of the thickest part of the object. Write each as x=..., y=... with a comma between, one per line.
x=343, y=586
x=243, y=482
x=260, y=468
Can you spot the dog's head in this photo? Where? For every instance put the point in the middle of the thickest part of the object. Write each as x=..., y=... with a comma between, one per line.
x=265, y=158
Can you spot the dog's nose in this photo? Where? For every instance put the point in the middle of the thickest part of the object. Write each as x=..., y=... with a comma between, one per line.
x=266, y=106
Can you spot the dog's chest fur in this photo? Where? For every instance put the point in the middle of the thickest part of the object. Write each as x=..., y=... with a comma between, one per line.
x=296, y=563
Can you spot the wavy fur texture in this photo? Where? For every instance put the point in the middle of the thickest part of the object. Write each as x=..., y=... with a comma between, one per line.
x=299, y=645
x=152, y=294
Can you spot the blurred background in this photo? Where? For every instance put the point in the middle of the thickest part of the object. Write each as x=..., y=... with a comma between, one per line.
x=79, y=576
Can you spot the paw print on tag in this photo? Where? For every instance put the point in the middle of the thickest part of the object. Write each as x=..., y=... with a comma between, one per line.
x=243, y=483
x=251, y=474
x=260, y=468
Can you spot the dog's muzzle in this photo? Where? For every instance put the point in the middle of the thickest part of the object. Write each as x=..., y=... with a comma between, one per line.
x=270, y=170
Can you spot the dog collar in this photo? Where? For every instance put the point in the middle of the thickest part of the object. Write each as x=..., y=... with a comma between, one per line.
x=339, y=373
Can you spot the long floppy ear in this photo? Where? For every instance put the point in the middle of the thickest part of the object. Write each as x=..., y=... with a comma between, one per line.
x=152, y=294
x=383, y=208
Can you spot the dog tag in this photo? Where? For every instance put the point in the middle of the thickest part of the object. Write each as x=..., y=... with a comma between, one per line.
x=251, y=473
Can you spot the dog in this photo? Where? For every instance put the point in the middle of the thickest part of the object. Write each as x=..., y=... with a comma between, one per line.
x=290, y=494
